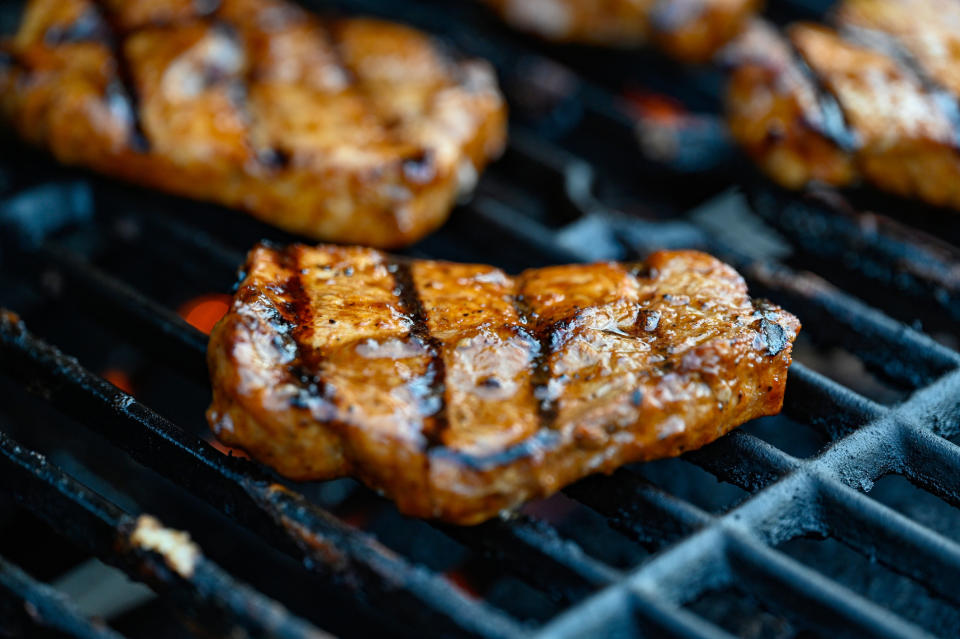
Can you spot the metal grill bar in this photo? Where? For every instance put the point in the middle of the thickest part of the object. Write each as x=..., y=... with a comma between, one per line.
x=931, y=462
x=744, y=460
x=638, y=508
x=860, y=522
x=841, y=319
x=48, y=607
x=203, y=591
x=236, y=488
x=537, y=553
x=878, y=249
x=878, y=531
x=724, y=554
x=174, y=340
x=816, y=600
x=824, y=404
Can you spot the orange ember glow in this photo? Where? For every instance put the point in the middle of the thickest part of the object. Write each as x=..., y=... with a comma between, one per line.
x=356, y=517
x=227, y=450
x=464, y=583
x=203, y=311
x=654, y=106
x=118, y=378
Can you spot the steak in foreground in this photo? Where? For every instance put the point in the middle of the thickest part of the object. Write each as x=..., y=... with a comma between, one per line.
x=460, y=391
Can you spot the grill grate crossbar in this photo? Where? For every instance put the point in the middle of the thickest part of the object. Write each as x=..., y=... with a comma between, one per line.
x=45, y=607
x=236, y=488
x=205, y=592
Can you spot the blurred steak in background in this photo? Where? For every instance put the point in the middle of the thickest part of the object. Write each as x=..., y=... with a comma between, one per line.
x=349, y=130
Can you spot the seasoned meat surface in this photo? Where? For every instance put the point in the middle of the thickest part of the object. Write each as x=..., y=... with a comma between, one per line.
x=352, y=130
x=689, y=30
x=461, y=391
x=873, y=99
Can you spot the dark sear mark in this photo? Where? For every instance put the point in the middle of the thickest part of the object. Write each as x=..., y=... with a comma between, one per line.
x=420, y=169
x=434, y=395
x=93, y=26
x=274, y=158
x=298, y=304
x=223, y=64
x=651, y=320
x=123, y=96
x=310, y=385
x=540, y=377
x=774, y=335
x=835, y=125
x=490, y=382
x=889, y=46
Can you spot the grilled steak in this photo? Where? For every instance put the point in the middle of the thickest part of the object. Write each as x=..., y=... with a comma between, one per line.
x=351, y=130
x=689, y=30
x=461, y=391
x=874, y=99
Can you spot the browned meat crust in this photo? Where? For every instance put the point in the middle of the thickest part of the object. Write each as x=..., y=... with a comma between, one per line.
x=351, y=130
x=460, y=391
x=689, y=30
x=874, y=99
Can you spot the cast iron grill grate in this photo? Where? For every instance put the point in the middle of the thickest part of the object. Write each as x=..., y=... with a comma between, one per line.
x=79, y=246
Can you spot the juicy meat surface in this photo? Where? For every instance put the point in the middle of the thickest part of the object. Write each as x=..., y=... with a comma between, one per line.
x=689, y=30
x=351, y=130
x=872, y=99
x=460, y=391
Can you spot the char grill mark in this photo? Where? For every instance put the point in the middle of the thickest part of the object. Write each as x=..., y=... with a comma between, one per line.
x=579, y=316
x=95, y=24
x=895, y=46
x=127, y=85
x=833, y=119
x=435, y=425
x=539, y=380
x=297, y=305
x=926, y=31
x=883, y=78
x=288, y=311
x=487, y=354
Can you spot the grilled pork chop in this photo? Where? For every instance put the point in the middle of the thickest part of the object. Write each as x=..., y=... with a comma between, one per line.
x=352, y=130
x=874, y=99
x=689, y=30
x=461, y=391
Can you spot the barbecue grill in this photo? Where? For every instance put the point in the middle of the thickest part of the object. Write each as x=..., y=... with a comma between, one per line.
x=837, y=517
